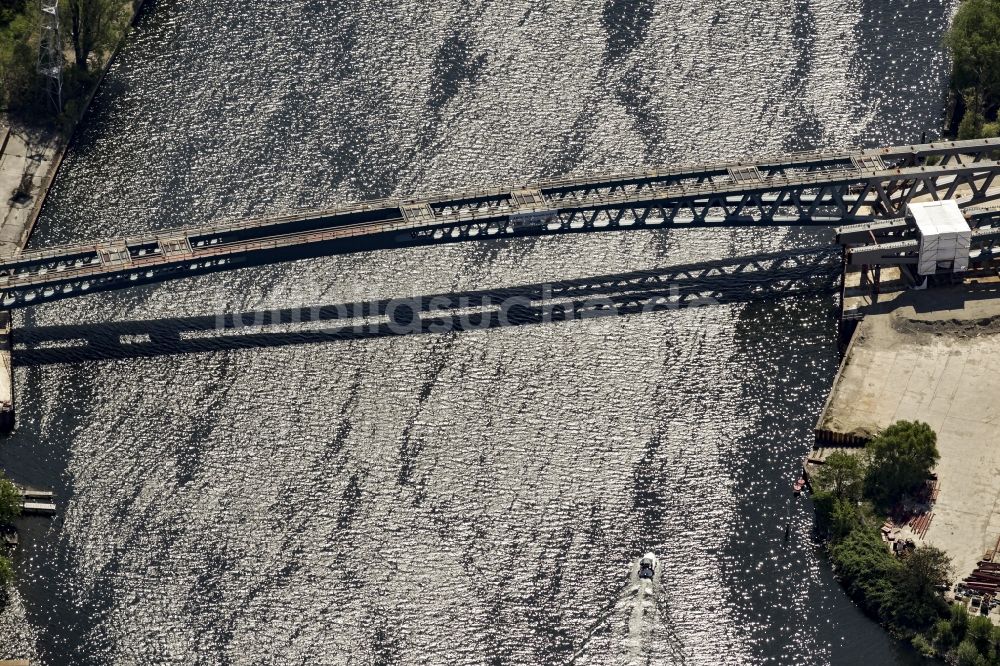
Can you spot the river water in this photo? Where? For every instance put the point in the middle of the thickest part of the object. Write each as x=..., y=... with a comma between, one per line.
x=466, y=497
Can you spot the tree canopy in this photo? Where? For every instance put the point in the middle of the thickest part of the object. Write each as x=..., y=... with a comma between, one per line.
x=87, y=26
x=900, y=459
x=903, y=592
x=93, y=26
x=6, y=574
x=974, y=40
x=18, y=54
x=10, y=500
x=867, y=569
x=842, y=474
x=917, y=601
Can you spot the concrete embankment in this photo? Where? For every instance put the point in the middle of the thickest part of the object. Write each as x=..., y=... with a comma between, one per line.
x=932, y=356
x=6, y=370
x=29, y=161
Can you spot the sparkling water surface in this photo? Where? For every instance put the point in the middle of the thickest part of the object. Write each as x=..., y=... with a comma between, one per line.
x=466, y=497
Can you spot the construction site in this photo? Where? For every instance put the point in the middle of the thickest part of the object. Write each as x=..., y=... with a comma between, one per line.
x=921, y=343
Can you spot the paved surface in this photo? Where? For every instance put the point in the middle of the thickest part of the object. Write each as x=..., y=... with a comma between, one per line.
x=23, y=154
x=35, y=156
x=935, y=356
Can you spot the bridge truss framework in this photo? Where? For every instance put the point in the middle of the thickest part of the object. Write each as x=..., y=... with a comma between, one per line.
x=871, y=188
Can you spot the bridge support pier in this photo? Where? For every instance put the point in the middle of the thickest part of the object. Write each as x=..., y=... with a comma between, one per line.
x=844, y=329
x=6, y=375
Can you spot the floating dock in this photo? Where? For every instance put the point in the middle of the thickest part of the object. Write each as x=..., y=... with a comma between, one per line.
x=38, y=508
x=36, y=501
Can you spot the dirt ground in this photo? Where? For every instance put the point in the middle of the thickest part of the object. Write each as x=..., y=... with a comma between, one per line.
x=934, y=356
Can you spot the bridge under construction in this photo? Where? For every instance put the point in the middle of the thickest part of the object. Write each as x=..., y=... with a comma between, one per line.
x=869, y=191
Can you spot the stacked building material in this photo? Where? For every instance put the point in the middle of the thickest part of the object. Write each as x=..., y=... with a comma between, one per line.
x=985, y=579
x=920, y=522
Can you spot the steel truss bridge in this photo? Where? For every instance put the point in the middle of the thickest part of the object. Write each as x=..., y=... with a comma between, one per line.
x=868, y=189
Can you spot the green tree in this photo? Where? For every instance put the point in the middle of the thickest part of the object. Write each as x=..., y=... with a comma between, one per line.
x=92, y=26
x=6, y=572
x=866, y=568
x=974, y=41
x=10, y=500
x=844, y=519
x=968, y=655
x=971, y=126
x=922, y=645
x=900, y=459
x=944, y=636
x=18, y=59
x=916, y=600
x=980, y=633
x=959, y=621
x=842, y=474
x=11, y=9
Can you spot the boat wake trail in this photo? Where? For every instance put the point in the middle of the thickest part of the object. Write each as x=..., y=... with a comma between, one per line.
x=640, y=605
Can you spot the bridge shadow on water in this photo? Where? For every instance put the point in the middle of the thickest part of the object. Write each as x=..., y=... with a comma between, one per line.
x=739, y=279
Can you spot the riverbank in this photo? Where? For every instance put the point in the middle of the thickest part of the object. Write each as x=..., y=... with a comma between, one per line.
x=932, y=356
x=30, y=158
x=28, y=163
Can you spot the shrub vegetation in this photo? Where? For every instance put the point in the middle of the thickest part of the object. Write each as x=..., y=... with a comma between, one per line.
x=89, y=28
x=851, y=494
x=10, y=508
x=974, y=43
x=10, y=500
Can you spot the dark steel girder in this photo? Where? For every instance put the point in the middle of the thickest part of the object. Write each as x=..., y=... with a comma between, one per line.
x=984, y=246
x=803, y=189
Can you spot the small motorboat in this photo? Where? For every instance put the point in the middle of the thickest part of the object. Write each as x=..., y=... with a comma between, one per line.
x=647, y=566
x=800, y=483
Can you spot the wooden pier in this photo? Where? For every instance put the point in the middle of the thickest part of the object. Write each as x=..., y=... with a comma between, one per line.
x=35, y=501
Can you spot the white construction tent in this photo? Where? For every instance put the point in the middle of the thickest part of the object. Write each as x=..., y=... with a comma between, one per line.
x=944, y=236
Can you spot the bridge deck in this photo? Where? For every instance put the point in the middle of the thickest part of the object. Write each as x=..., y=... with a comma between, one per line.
x=818, y=188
